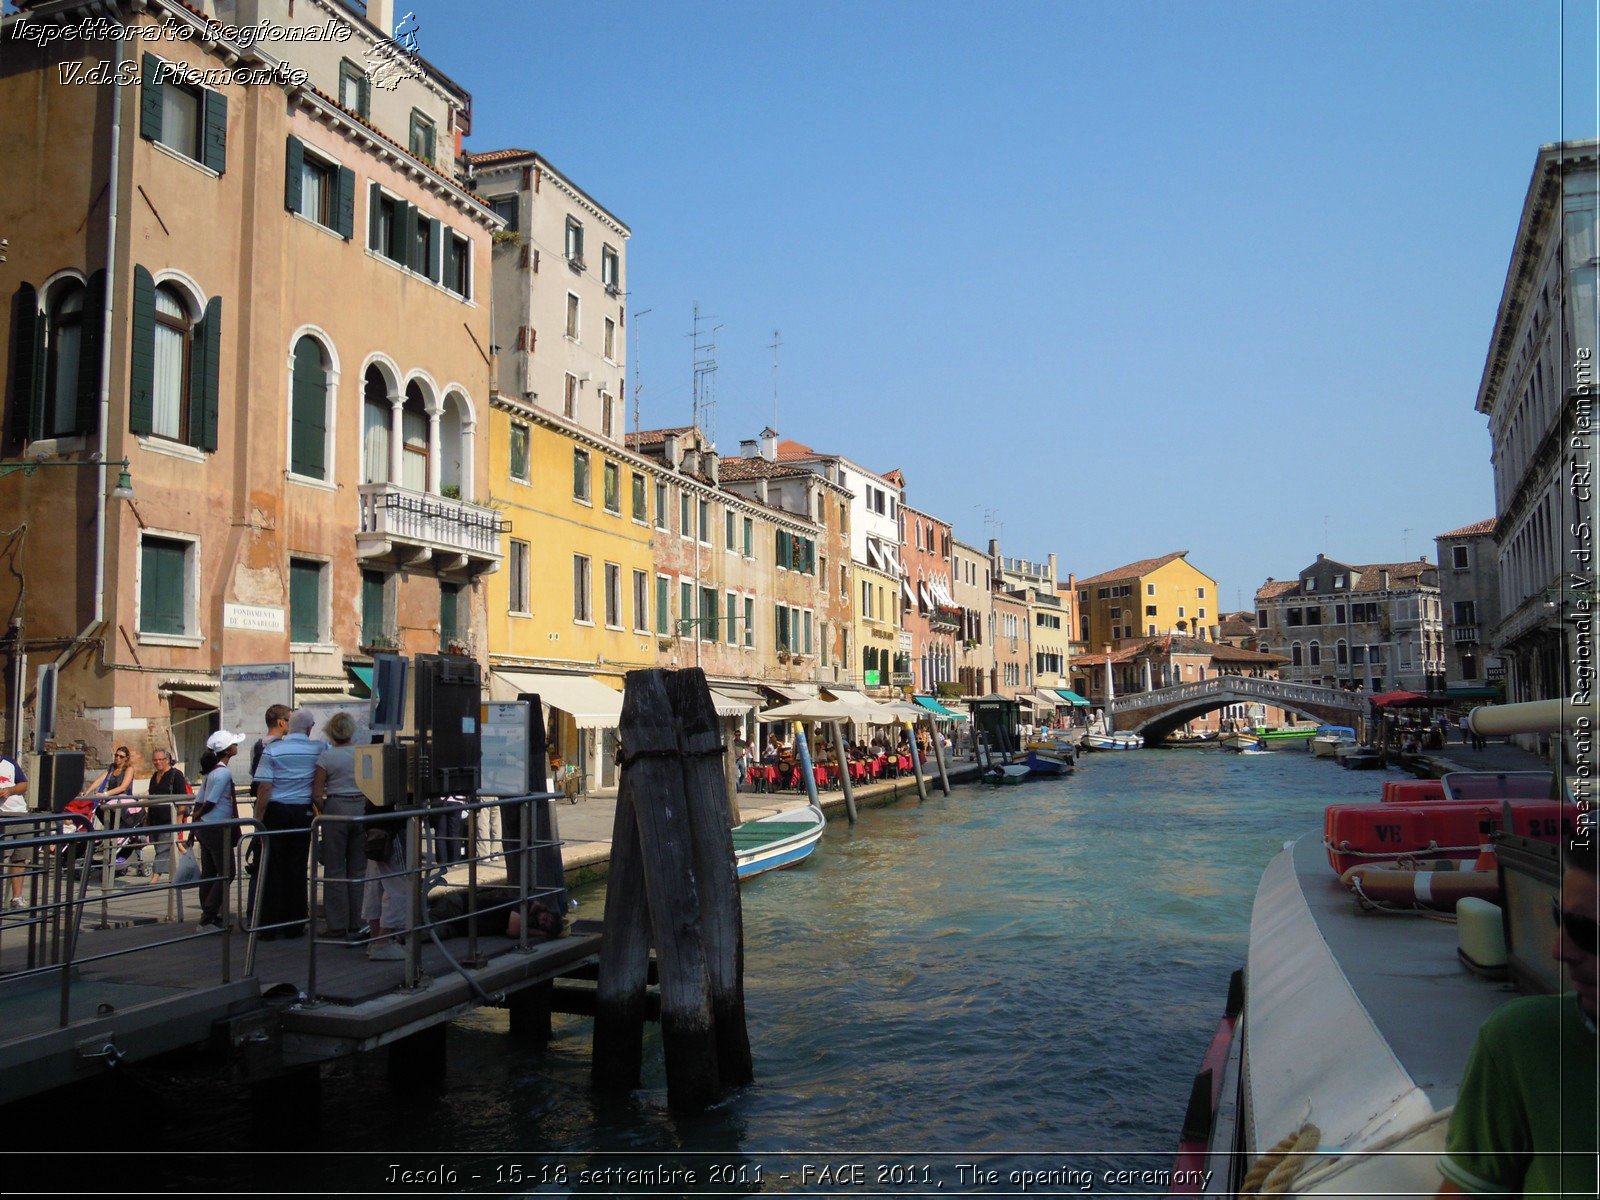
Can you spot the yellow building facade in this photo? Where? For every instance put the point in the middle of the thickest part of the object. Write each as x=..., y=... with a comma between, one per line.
x=1147, y=598
x=573, y=607
x=885, y=647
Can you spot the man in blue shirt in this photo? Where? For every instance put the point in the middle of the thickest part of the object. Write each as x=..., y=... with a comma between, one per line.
x=283, y=800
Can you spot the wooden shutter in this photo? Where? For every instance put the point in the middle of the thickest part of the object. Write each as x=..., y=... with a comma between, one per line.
x=305, y=601
x=294, y=170
x=214, y=138
x=161, y=570
x=142, y=354
x=308, y=424
x=27, y=363
x=403, y=234
x=204, y=367
x=150, y=98
x=344, y=203
x=87, y=418
x=435, y=246
x=374, y=216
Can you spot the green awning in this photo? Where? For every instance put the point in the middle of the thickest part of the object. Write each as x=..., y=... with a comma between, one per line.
x=937, y=709
x=1071, y=697
x=363, y=677
x=1472, y=693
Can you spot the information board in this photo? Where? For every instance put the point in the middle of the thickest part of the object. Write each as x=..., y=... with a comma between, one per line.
x=360, y=712
x=247, y=692
x=504, y=770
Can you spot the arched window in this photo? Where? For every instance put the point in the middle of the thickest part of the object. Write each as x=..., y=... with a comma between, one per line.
x=414, y=440
x=1295, y=654
x=1315, y=658
x=376, y=415
x=1341, y=652
x=308, y=410
x=174, y=329
x=455, y=447
x=64, y=345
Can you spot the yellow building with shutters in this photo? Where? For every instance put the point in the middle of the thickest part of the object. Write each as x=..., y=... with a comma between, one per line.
x=1153, y=596
x=574, y=605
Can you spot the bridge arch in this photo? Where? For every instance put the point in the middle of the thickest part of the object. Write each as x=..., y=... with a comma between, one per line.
x=1157, y=728
x=1156, y=714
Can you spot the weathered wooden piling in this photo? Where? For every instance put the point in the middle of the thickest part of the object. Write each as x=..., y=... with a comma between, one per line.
x=938, y=758
x=624, y=957
x=652, y=767
x=721, y=918
x=916, y=762
x=844, y=771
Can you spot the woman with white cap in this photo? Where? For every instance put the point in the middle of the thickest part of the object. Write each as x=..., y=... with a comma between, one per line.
x=216, y=804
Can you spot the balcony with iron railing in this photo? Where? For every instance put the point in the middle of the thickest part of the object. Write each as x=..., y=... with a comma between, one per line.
x=1461, y=634
x=404, y=526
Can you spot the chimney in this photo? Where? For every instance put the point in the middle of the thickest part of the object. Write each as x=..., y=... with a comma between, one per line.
x=769, y=444
x=673, y=451
x=1050, y=559
x=761, y=488
x=1383, y=580
x=709, y=462
x=749, y=448
x=691, y=462
x=994, y=550
x=381, y=14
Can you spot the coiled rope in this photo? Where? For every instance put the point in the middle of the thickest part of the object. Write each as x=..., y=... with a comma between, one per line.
x=1274, y=1171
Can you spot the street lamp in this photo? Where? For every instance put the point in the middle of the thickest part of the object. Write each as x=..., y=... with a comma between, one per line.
x=123, y=489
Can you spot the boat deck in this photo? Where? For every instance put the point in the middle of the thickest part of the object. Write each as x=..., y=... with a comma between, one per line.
x=755, y=834
x=1370, y=1014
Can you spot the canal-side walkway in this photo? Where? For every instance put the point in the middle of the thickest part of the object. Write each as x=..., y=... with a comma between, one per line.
x=584, y=829
x=1495, y=756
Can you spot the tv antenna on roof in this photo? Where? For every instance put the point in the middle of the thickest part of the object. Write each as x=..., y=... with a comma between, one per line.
x=773, y=346
x=705, y=371
x=638, y=381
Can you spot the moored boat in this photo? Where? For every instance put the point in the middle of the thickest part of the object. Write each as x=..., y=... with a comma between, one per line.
x=1294, y=736
x=1339, y=1074
x=1045, y=763
x=1329, y=738
x=782, y=839
x=1005, y=773
x=1239, y=742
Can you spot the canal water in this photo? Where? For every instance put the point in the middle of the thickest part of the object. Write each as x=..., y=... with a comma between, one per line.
x=1026, y=974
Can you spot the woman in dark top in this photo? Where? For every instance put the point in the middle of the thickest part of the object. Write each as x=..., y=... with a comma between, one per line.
x=166, y=780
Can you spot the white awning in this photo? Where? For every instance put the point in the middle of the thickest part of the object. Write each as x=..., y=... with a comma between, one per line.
x=891, y=558
x=905, y=590
x=942, y=594
x=193, y=699
x=793, y=692
x=590, y=703
x=922, y=595
x=736, y=701
x=874, y=559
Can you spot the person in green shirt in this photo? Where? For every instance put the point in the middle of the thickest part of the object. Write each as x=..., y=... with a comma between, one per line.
x=1525, y=1117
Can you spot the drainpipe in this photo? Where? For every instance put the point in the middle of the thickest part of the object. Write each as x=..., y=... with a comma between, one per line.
x=101, y=472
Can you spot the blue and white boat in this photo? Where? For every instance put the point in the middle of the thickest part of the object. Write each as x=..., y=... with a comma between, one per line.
x=779, y=840
x=1046, y=764
x=1329, y=738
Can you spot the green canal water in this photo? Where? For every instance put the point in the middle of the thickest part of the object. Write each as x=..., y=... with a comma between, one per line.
x=1020, y=976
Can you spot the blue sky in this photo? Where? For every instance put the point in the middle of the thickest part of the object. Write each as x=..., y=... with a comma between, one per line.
x=1134, y=277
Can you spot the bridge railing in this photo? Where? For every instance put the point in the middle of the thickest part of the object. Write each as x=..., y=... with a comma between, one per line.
x=1243, y=685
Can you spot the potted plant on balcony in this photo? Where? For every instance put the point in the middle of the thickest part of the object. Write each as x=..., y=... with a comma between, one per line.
x=783, y=656
x=451, y=491
x=381, y=643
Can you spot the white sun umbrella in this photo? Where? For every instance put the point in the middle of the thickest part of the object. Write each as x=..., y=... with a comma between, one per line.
x=867, y=711
x=815, y=709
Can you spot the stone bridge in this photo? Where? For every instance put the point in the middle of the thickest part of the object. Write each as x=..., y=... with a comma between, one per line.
x=1157, y=713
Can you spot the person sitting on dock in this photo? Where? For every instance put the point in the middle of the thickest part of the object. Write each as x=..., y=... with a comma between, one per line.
x=1525, y=1117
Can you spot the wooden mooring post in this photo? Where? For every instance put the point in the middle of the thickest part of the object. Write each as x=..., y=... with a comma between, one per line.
x=938, y=757
x=916, y=763
x=672, y=881
x=844, y=771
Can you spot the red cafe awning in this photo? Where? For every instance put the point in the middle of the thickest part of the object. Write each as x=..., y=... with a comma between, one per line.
x=1401, y=700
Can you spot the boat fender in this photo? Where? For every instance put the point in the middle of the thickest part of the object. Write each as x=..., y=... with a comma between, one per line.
x=1274, y=1171
x=1431, y=889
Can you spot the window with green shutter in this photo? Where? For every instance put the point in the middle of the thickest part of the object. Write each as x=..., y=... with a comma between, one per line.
x=708, y=614
x=749, y=621
x=685, y=608
x=308, y=417
x=305, y=600
x=519, y=452
x=450, y=629
x=374, y=621
x=749, y=538
x=355, y=89
x=26, y=398
x=663, y=605
x=163, y=580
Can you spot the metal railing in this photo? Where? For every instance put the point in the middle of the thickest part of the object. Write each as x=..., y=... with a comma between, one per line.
x=429, y=857
x=1246, y=687
x=58, y=872
x=390, y=511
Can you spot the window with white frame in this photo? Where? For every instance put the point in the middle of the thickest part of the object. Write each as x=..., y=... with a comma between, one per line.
x=520, y=578
x=641, y=602
x=610, y=269
x=519, y=452
x=574, y=246
x=572, y=316
x=613, y=596
x=167, y=586
x=582, y=600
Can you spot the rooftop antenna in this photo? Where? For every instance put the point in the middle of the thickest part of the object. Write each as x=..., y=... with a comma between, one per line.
x=1325, y=532
x=773, y=346
x=1405, y=541
x=638, y=382
x=705, y=370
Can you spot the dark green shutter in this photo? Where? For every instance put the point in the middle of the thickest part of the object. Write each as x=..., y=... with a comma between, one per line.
x=305, y=601
x=161, y=587
x=214, y=138
x=449, y=594
x=374, y=217
x=27, y=363
x=205, y=360
x=344, y=203
x=150, y=98
x=308, y=426
x=782, y=558
x=87, y=418
x=372, y=626
x=434, y=247
x=366, y=97
x=293, y=172
x=403, y=233
x=142, y=354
